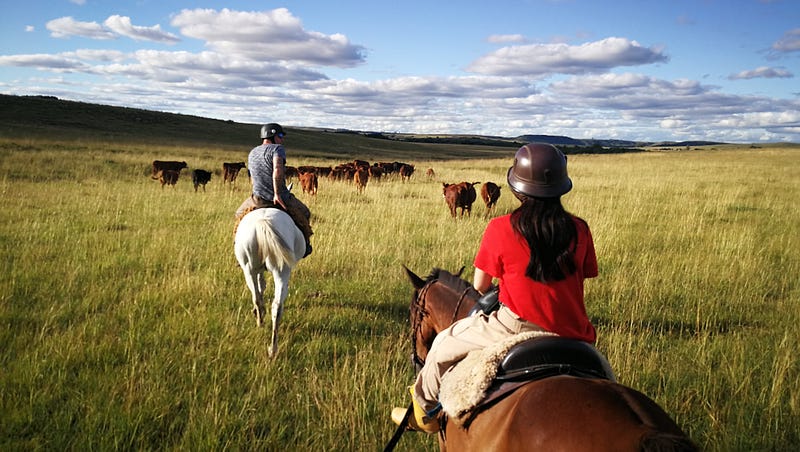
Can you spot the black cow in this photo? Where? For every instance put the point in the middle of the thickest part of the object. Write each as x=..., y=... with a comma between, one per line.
x=200, y=177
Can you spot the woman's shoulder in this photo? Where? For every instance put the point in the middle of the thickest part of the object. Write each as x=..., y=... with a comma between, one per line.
x=499, y=224
x=580, y=223
x=501, y=220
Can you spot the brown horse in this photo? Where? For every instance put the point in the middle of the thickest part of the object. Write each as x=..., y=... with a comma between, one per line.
x=558, y=413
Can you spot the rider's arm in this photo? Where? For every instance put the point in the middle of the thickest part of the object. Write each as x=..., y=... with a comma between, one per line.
x=481, y=281
x=278, y=178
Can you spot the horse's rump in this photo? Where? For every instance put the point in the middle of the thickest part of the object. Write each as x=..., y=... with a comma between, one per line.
x=563, y=413
x=272, y=248
x=278, y=254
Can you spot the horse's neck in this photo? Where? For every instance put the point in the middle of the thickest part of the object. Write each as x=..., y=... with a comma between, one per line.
x=448, y=305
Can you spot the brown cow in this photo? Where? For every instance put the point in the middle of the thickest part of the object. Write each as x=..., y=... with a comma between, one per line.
x=230, y=170
x=430, y=173
x=361, y=177
x=306, y=169
x=309, y=183
x=166, y=165
x=168, y=177
x=406, y=170
x=200, y=177
x=375, y=172
x=461, y=196
x=490, y=193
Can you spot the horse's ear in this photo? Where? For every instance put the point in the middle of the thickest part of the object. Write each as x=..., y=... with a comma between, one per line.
x=416, y=281
x=460, y=271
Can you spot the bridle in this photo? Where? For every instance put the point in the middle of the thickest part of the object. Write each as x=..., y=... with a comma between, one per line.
x=421, y=312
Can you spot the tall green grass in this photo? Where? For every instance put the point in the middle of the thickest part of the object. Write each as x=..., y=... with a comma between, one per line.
x=126, y=322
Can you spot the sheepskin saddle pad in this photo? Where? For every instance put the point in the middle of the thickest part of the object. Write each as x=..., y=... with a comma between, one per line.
x=520, y=358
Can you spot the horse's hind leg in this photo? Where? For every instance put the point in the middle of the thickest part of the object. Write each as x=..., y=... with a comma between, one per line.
x=258, y=302
x=255, y=282
x=281, y=280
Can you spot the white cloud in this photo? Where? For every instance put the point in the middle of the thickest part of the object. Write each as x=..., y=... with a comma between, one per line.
x=55, y=63
x=762, y=72
x=502, y=39
x=29, y=28
x=789, y=42
x=65, y=27
x=538, y=59
x=113, y=27
x=122, y=26
x=267, y=36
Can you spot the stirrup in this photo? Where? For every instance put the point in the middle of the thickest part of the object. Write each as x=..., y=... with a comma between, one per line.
x=418, y=419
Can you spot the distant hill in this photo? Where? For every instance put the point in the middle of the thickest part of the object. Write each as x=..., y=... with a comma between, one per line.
x=50, y=117
x=46, y=116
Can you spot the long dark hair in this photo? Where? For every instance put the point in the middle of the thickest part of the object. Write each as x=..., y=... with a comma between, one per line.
x=551, y=235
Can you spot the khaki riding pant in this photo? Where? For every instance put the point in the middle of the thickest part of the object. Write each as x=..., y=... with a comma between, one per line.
x=294, y=207
x=454, y=343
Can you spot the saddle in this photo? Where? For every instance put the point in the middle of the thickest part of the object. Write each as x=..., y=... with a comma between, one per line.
x=265, y=205
x=522, y=362
x=548, y=356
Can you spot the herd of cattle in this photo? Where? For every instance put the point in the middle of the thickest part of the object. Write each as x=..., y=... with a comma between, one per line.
x=359, y=172
x=168, y=172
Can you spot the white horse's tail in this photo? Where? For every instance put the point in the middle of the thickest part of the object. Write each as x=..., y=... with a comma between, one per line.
x=272, y=248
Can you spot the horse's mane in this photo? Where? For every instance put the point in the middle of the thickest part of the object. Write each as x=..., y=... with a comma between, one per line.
x=454, y=281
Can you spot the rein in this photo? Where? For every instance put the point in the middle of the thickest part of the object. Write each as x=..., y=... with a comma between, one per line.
x=419, y=303
x=458, y=305
x=420, y=314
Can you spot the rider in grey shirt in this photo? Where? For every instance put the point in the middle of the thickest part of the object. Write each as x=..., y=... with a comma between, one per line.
x=267, y=166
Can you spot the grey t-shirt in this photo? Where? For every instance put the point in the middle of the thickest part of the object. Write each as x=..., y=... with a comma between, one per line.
x=260, y=164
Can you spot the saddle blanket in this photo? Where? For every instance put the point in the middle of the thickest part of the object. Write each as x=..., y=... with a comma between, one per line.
x=464, y=385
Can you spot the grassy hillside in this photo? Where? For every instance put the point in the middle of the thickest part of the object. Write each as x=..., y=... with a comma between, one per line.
x=49, y=118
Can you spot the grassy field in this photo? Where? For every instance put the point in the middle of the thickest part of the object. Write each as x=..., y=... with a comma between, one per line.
x=126, y=322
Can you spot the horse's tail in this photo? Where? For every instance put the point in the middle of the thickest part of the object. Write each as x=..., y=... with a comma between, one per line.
x=272, y=248
x=666, y=442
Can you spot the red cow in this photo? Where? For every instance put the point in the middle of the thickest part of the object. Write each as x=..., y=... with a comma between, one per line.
x=406, y=171
x=361, y=177
x=166, y=165
x=490, y=193
x=375, y=172
x=460, y=196
x=230, y=171
x=309, y=183
x=168, y=177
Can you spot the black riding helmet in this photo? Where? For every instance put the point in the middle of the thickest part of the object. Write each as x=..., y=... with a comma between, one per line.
x=539, y=171
x=270, y=130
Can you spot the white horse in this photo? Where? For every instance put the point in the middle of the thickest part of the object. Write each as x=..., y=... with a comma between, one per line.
x=268, y=239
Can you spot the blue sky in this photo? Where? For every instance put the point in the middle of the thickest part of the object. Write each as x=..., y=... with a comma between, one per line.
x=622, y=69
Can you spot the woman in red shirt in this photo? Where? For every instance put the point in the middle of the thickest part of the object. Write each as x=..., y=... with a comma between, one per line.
x=540, y=254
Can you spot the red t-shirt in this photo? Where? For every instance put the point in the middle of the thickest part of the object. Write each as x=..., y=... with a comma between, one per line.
x=555, y=306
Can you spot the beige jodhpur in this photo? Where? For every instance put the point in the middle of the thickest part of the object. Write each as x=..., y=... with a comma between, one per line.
x=454, y=343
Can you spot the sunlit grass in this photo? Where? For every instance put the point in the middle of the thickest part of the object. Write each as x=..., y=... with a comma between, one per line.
x=126, y=321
